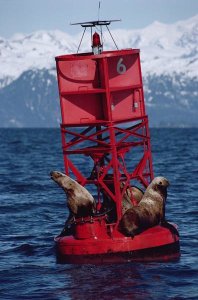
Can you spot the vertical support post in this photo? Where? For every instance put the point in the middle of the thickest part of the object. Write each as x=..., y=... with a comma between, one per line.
x=149, y=150
x=116, y=177
x=63, y=138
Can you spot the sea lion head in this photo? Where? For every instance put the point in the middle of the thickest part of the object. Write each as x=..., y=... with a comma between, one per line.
x=161, y=181
x=160, y=185
x=80, y=201
x=63, y=181
x=157, y=186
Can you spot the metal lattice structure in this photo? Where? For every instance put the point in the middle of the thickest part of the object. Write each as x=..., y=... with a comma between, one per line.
x=104, y=122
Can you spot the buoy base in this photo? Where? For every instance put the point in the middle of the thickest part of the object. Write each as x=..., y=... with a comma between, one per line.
x=154, y=244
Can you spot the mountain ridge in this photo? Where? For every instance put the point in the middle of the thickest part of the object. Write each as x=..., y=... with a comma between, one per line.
x=169, y=58
x=157, y=41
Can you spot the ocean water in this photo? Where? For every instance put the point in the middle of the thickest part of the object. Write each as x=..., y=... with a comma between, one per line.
x=33, y=211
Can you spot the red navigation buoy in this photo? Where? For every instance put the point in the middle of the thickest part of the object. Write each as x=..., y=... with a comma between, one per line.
x=105, y=124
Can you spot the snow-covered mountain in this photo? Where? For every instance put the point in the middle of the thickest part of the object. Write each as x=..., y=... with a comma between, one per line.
x=169, y=54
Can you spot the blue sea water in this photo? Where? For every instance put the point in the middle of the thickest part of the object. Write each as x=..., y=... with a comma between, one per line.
x=33, y=211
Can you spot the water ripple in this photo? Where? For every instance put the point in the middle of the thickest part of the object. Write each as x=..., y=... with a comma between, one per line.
x=33, y=211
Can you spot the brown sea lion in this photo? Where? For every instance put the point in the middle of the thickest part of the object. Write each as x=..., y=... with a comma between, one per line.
x=79, y=201
x=150, y=210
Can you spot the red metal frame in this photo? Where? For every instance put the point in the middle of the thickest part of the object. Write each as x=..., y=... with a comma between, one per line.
x=103, y=115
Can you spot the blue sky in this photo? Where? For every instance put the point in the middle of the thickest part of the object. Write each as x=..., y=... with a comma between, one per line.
x=26, y=16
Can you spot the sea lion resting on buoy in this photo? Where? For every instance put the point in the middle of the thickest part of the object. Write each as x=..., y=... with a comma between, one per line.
x=150, y=210
x=79, y=201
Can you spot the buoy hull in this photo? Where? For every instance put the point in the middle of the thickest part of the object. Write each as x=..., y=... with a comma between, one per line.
x=155, y=244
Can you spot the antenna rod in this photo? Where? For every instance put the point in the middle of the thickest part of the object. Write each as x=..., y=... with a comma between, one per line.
x=98, y=10
x=112, y=37
x=81, y=39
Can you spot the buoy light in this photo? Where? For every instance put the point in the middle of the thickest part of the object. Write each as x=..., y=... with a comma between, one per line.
x=96, y=44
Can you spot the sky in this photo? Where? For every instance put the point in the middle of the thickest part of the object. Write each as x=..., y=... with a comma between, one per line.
x=27, y=16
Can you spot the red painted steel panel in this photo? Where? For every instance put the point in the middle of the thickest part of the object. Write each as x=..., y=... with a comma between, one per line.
x=82, y=108
x=126, y=104
x=107, y=85
x=124, y=70
x=77, y=75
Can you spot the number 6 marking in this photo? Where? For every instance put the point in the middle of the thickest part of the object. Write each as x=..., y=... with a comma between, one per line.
x=121, y=68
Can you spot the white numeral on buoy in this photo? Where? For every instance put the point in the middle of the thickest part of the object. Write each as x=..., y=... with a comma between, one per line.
x=121, y=68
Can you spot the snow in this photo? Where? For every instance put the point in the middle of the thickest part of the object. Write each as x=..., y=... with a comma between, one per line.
x=165, y=49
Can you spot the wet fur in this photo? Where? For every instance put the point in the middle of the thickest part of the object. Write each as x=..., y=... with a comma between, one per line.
x=79, y=201
x=150, y=210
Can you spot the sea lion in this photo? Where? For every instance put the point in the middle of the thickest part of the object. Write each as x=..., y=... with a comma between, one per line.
x=150, y=210
x=79, y=201
x=131, y=197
